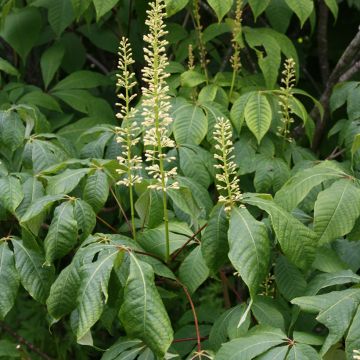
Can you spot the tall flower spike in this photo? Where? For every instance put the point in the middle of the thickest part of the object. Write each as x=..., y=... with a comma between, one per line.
x=156, y=100
x=287, y=83
x=126, y=135
x=227, y=181
x=235, y=58
x=156, y=108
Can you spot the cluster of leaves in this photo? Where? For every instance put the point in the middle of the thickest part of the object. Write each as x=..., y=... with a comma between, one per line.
x=274, y=278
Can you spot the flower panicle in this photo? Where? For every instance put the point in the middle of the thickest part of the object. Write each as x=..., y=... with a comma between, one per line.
x=237, y=30
x=126, y=135
x=157, y=119
x=227, y=181
x=287, y=83
x=356, y=354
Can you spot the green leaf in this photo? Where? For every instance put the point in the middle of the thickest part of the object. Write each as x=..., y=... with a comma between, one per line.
x=21, y=30
x=40, y=206
x=333, y=6
x=258, y=6
x=237, y=111
x=279, y=15
x=296, y=240
x=82, y=79
x=85, y=218
x=35, y=277
x=336, y=310
x=174, y=6
x=193, y=270
x=322, y=281
x=45, y=154
x=153, y=240
x=60, y=14
x=289, y=279
x=9, y=280
x=50, y=62
x=220, y=331
x=259, y=340
x=221, y=7
x=298, y=186
x=249, y=248
x=62, y=233
x=41, y=99
x=61, y=298
x=96, y=190
x=12, y=130
x=302, y=352
x=184, y=200
x=66, y=181
x=355, y=145
x=278, y=353
x=258, y=115
x=190, y=124
x=268, y=312
x=192, y=78
x=352, y=341
x=302, y=9
x=336, y=210
x=150, y=208
x=103, y=6
x=126, y=349
x=7, y=68
x=214, y=242
x=93, y=292
x=11, y=193
x=142, y=312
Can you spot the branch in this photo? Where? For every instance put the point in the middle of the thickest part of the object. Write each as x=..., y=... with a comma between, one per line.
x=187, y=242
x=23, y=341
x=322, y=41
x=350, y=72
x=341, y=67
x=98, y=64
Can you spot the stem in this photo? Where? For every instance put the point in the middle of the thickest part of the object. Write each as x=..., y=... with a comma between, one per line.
x=198, y=336
x=132, y=212
x=107, y=224
x=121, y=209
x=23, y=341
x=187, y=242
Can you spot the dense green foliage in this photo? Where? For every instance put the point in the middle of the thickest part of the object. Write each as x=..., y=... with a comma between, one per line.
x=107, y=255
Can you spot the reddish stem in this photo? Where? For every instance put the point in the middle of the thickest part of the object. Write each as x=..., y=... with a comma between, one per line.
x=173, y=257
x=198, y=336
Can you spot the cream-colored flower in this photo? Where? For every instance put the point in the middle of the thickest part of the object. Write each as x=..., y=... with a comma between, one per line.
x=227, y=181
x=126, y=135
x=156, y=99
x=285, y=96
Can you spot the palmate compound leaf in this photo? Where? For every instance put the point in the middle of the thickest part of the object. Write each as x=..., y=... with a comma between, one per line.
x=62, y=233
x=142, y=312
x=259, y=339
x=35, y=277
x=335, y=310
x=336, y=210
x=298, y=186
x=249, y=248
x=9, y=279
x=296, y=240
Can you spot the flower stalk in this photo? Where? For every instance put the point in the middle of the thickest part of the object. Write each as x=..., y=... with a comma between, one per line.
x=285, y=97
x=126, y=135
x=227, y=181
x=235, y=41
x=156, y=109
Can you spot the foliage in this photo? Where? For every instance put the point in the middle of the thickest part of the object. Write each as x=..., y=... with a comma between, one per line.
x=215, y=216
